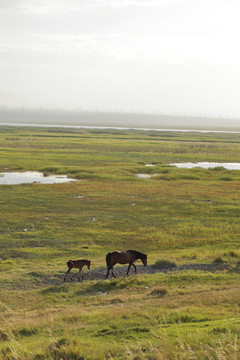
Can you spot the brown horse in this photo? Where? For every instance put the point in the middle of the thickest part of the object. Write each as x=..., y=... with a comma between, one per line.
x=78, y=264
x=124, y=257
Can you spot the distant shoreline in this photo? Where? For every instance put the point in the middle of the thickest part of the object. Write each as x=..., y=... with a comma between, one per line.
x=117, y=121
x=115, y=128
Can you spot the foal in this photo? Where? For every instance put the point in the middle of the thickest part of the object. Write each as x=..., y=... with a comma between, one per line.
x=78, y=264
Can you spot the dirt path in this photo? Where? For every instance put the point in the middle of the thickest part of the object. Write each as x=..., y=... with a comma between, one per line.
x=35, y=280
x=120, y=271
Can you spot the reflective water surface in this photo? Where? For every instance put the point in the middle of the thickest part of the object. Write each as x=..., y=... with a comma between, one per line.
x=143, y=176
x=28, y=177
x=207, y=165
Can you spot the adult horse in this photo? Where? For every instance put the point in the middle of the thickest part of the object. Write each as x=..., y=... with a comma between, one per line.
x=124, y=257
x=78, y=264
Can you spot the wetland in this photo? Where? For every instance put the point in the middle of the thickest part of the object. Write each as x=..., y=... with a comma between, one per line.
x=185, y=304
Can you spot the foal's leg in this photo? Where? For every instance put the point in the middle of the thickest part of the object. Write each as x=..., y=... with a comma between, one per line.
x=66, y=275
x=80, y=271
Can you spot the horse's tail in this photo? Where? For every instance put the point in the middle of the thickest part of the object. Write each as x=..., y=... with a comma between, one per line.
x=70, y=263
x=108, y=259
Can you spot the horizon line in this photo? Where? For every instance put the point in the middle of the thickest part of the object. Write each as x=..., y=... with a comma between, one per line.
x=179, y=114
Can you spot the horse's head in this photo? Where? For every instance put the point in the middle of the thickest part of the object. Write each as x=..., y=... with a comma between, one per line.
x=144, y=259
x=88, y=265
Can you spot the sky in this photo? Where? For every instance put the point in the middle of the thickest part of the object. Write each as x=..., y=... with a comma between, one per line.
x=173, y=56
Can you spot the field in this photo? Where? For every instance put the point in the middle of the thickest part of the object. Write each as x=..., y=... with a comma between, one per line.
x=187, y=221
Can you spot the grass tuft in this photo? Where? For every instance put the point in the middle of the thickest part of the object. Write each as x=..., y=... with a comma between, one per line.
x=3, y=336
x=165, y=264
x=226, y=178
x=25, y=332
x=160, y=293
x=218, y=260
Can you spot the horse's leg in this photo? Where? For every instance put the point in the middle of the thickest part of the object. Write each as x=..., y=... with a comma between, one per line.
x=107, y=272
x=135, y=268
x=128, y=268
x=113, y=273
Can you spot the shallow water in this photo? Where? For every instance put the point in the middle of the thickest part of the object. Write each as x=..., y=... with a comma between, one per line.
x=207, y=165
x=143, y=176
x=28, y=177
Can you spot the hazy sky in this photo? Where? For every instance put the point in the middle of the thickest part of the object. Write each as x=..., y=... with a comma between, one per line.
x=150, y=55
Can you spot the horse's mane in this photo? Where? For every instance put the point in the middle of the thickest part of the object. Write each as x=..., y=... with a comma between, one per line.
x=138, y=254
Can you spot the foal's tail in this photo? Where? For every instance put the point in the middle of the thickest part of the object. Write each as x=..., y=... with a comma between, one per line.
x=70, y=263
x=108, y=259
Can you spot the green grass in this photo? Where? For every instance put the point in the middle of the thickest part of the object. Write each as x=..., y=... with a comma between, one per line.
x=179, y=216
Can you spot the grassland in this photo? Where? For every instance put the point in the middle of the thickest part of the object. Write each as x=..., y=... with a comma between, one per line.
x=179, y=216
